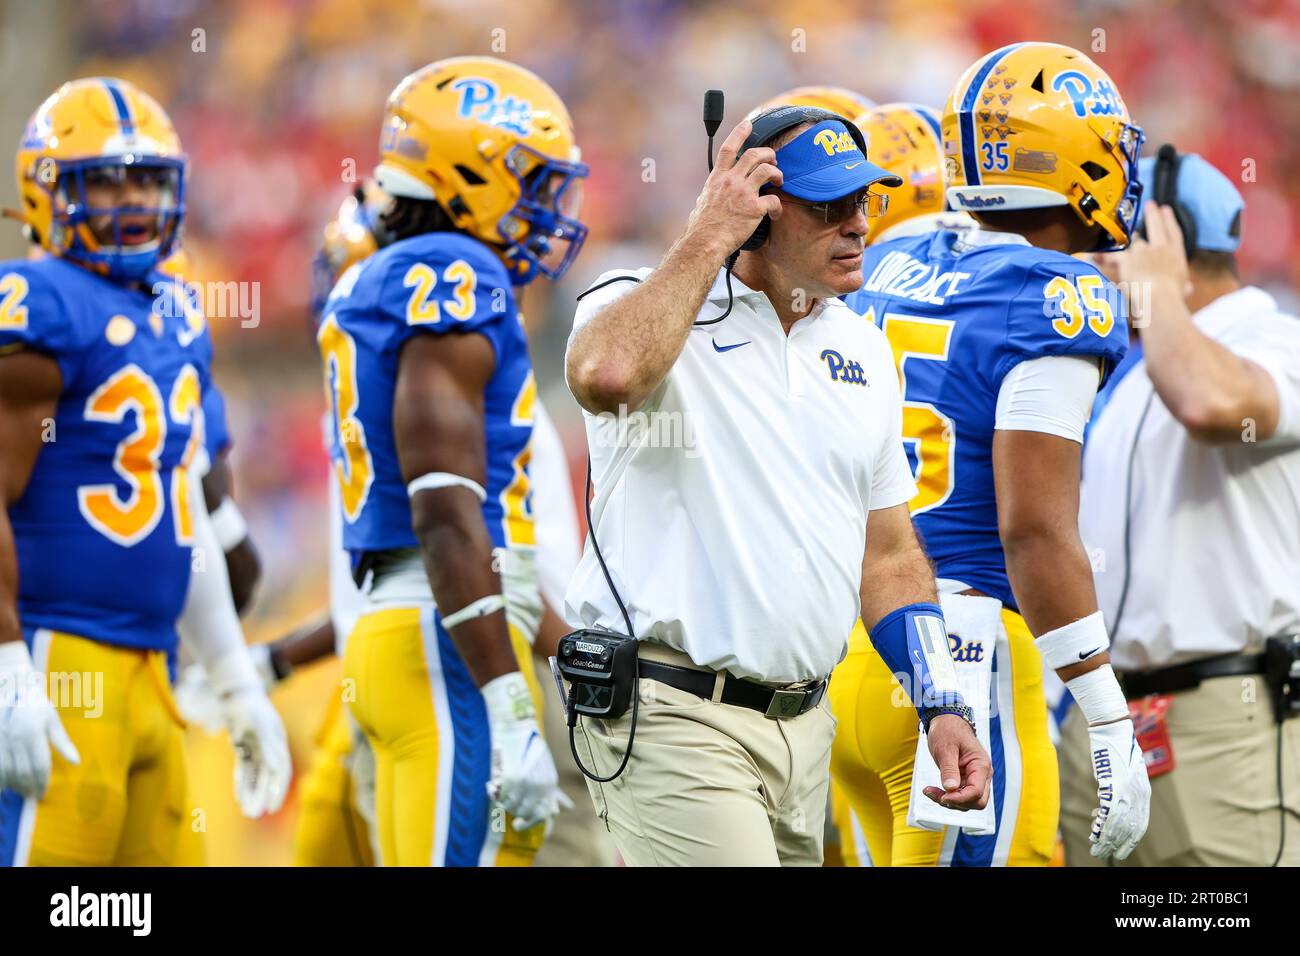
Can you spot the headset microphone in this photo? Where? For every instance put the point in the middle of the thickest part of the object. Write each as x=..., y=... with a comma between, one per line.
x=713, y=110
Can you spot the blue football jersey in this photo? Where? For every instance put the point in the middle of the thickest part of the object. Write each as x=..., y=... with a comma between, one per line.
x=959, y=317
x=432, y=284
x=104, y=530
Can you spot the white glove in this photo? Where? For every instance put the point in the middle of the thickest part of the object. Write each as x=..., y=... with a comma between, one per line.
x=197, y=701
x=1123, y=790
x=29, y=725
x=262, y=766
x=523, y=776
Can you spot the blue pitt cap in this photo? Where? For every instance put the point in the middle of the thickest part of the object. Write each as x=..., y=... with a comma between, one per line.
x=824, y=163
x=1208, y=195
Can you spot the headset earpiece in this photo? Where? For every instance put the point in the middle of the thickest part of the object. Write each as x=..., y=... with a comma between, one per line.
x=1165, y=192
x=770, y=124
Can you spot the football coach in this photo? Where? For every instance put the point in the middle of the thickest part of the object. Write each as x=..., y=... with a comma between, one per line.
x=745, y=545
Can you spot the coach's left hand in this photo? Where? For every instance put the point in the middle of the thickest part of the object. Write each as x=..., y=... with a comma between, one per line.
x=964, y=767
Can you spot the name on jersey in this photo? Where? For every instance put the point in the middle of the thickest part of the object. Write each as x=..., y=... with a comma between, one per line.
x=849, y=372
x=900, y=275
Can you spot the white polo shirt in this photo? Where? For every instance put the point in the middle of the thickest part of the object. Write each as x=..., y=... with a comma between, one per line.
x=1215, y=529
x=732, y=507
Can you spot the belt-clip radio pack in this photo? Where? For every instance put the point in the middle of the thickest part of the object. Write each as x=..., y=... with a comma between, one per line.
x=1282, y=673
x=600, y=667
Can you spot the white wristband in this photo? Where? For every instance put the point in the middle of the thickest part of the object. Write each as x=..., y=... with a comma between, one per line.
x=480, y=608
x=1074, y=643
x=508, y=699
x=228, y=524
x=1099, y=696
x=442, y=479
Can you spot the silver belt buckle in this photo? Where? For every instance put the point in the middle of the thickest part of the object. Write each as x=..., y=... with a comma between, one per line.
x=785, y=704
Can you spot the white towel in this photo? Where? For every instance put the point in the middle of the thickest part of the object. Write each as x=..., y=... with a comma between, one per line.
x=974, y=625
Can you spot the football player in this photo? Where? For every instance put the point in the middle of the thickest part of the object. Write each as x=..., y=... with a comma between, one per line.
x=104, y=540
x=432, y=392
x=1002, y=339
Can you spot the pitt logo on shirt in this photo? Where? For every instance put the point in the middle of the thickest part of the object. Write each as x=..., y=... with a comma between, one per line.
x=841, y=371
x=834, y=142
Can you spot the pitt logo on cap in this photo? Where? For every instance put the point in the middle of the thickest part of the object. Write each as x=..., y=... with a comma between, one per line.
x=849, y=372
x=834, y=142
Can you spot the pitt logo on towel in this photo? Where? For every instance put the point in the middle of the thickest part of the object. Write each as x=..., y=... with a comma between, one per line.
x=965, y=652
x=834, y=142
x=841, y=371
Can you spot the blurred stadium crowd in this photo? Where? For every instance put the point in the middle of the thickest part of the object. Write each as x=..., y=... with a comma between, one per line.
x=278, y=104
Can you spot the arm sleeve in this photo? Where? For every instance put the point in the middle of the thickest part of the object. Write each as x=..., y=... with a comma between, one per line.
x=1051, y=394
x=209, y=623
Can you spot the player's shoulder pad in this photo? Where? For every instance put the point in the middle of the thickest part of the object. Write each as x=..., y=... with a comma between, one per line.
x=443, y=282
x=43, y=304
x=1060, y=305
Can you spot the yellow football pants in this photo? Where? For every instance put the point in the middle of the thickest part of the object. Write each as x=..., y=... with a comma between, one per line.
x=127, y=802
x=426, y=720
x=875, y=747
x=331, y=831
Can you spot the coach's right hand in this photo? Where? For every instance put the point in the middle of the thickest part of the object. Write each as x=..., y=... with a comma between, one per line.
x=964, y=767
x=730, y=205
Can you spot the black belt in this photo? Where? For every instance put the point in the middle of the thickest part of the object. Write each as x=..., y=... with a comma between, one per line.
x=1168, y=680
x=771, y=702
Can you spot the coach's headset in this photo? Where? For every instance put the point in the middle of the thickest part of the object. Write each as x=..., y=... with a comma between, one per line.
x=600, y=665
x=767, y=126
x=1164, y=192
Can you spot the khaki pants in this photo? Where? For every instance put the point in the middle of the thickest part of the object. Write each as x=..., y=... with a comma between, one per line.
x=711, y=784
x=1219, y=805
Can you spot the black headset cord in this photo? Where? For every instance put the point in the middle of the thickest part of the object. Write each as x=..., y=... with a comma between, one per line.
x=572, y=713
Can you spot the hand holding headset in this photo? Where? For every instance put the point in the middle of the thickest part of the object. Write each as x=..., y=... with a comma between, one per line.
x=733, y=202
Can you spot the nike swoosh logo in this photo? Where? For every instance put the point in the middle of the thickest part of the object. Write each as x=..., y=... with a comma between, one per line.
x=852, y=165
x=1084, y=655
x=728, y=348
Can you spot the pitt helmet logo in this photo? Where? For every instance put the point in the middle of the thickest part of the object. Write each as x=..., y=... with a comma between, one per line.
x=965, y=652
x=481, y=100
x=834, y=142
x=849, y=372
x=1099, y=100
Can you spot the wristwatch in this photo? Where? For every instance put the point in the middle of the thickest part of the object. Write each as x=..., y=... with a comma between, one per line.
x=963, y=711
